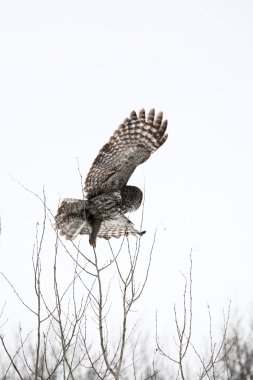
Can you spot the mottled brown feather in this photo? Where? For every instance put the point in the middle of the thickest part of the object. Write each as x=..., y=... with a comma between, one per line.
x=108, y=197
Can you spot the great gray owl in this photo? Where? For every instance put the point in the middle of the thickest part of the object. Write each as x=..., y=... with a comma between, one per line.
x=101, y=213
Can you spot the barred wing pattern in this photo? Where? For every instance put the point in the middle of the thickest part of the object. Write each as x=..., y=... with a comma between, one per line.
x=71, y=221
x=71, y=218
x=114, y=228
x=108, y=196
x=130, y=145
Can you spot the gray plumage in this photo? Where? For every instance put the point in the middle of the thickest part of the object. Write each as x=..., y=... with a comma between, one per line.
x=108, y=196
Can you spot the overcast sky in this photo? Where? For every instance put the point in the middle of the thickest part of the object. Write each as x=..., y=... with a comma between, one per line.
x=70, y=72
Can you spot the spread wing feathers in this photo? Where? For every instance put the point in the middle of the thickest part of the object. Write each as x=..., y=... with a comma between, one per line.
x=130, y=145
x=71, y=221
x=116, y=228
x=70, y=218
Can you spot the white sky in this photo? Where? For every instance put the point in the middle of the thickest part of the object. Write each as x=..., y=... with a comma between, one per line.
x=70, y=72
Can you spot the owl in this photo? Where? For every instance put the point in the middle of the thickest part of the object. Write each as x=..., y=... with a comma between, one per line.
x=101, y=214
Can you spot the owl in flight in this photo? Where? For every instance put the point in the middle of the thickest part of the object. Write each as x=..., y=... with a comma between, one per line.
x=102, y=213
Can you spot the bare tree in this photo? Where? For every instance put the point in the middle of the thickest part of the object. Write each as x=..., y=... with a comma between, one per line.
x=64, y=332
x=238, y=355
x=87, y=329
x=183, y=340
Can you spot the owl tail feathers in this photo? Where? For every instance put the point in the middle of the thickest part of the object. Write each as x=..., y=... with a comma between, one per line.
x=70, y=218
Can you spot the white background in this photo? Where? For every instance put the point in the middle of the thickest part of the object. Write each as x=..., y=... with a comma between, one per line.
x=70, y=72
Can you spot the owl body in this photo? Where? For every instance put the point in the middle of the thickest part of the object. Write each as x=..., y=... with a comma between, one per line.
x=104, y=206
x=108, y=195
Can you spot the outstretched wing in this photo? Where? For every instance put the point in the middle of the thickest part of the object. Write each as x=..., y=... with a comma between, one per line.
x=70, y=218
x=71, y=221
x=116, y=228
x=130, y=145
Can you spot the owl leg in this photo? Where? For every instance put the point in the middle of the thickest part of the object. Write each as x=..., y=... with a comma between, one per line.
x=95, y=227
